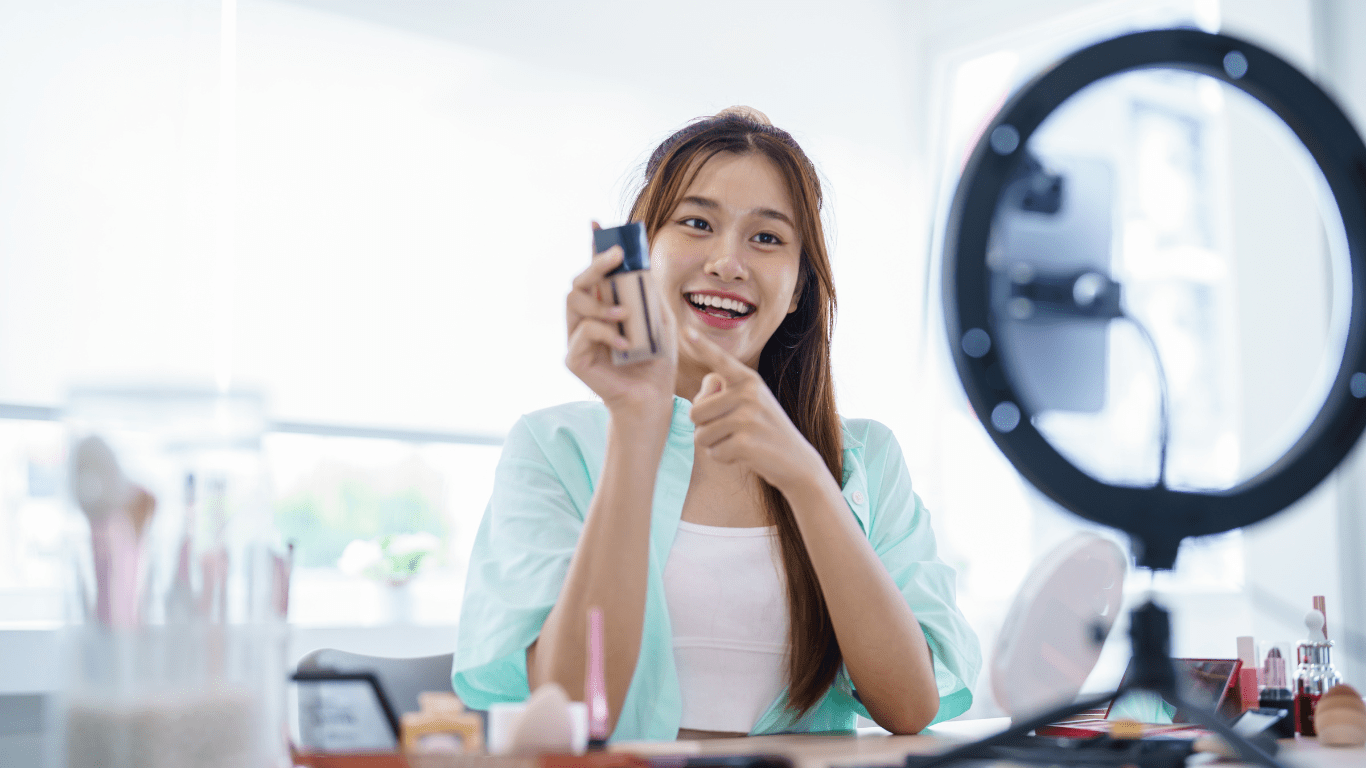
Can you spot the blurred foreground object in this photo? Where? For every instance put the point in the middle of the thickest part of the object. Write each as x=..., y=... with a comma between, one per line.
x=1057, y=625
x=1340, y=717
x=175, y=636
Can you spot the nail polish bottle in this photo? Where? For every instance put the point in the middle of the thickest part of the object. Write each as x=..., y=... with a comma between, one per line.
x=632, y=285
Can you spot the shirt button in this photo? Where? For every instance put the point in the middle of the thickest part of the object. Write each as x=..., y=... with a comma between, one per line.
x=858, y=497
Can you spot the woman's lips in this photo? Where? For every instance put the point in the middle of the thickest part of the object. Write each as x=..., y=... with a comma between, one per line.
x=724, y=323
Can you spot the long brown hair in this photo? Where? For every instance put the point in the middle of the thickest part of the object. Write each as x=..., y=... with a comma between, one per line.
x=795, y=363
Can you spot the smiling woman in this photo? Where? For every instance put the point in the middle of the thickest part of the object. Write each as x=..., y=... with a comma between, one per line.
x=762, y=564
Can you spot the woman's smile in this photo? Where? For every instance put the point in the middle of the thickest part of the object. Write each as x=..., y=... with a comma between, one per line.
x=720, y=309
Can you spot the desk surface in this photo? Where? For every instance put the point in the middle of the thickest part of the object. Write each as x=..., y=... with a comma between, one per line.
x=874, y=746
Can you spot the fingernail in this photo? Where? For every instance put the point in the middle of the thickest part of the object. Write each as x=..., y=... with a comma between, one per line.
x=621, y=343
x=616, y=311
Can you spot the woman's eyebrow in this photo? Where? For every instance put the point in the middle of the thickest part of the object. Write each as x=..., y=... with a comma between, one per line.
x=770, y=213
x=702, y=202
x=766, y=213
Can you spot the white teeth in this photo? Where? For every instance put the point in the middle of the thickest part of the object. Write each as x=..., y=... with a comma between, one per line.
x=707, y=300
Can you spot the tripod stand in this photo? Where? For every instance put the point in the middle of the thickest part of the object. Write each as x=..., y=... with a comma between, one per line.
x=1150, y=633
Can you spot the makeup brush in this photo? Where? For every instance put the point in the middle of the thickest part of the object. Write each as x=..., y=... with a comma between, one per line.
x=180, y=600
x=140, y=507
x=100, y=490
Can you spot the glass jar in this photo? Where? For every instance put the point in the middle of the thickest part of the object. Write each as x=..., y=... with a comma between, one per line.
x=174, y=645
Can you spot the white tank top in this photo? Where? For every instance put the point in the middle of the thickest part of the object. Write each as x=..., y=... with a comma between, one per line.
x=727, y=601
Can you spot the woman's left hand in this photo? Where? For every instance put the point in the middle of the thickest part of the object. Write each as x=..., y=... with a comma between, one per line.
x=739, y=421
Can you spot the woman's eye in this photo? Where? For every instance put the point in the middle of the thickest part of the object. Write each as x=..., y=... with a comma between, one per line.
x=695, y=223
x=768, y=238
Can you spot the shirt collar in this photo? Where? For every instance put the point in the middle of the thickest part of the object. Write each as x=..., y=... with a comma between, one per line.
x=682, y=421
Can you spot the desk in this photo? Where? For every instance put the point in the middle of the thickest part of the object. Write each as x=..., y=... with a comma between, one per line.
x=874, y=746
x=870, y=746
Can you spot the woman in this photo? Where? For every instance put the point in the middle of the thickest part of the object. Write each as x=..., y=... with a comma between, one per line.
x=744, y=588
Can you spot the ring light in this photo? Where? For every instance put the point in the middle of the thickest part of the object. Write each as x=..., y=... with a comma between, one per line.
x=1157, y=518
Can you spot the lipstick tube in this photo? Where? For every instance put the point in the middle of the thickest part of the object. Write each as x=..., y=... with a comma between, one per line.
x=632, y=285
x=595, y=683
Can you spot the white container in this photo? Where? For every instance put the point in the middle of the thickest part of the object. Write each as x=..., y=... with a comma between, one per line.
x=503, y=717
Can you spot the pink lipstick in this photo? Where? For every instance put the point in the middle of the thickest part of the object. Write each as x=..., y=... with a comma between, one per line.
x=595, y=684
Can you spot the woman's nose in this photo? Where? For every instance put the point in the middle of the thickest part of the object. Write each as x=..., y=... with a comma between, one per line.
x=727, y=262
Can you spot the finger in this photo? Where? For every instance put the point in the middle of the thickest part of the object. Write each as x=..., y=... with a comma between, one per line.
x=582, y=306
x=718, y=405
x=706, y=352
x=591, y=334
x=728, y=451
x=727, y=448
x=737, y=422
x=602, y=263
x=712, y=384
x=708, y=436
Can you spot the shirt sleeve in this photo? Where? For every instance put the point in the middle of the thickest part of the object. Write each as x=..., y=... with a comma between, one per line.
x=519, y=563
x=901, y=535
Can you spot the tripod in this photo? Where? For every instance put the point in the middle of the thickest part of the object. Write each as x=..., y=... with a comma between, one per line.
x=1150, y=633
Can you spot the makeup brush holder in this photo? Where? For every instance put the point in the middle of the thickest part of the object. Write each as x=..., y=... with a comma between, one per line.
x=175, y=638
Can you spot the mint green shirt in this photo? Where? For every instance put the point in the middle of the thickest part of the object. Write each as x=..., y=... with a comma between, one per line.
x=544, y=482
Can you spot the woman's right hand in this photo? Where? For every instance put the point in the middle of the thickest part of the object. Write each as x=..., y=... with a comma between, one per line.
x=638, y=389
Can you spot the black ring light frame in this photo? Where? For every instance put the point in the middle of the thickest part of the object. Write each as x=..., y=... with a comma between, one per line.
x=1157, y=518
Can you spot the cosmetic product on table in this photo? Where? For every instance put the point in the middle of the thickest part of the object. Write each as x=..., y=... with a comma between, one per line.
x=547, y=722
x=1275, y=691
x=442, y=725
x=1248, y=673
x=595, y=683
x=1315, y=673
x=632, y=285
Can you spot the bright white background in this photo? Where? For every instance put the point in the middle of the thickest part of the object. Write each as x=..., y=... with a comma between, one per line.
x=371, y=210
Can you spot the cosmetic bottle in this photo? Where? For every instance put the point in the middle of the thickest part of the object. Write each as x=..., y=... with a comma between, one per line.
x=1275, y=690
x=1314, y=674
x=632, y=285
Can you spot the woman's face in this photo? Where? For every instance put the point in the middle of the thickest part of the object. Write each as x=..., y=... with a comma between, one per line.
x=728, y=258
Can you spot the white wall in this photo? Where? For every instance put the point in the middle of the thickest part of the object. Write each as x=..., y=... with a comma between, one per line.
x=406, y=190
